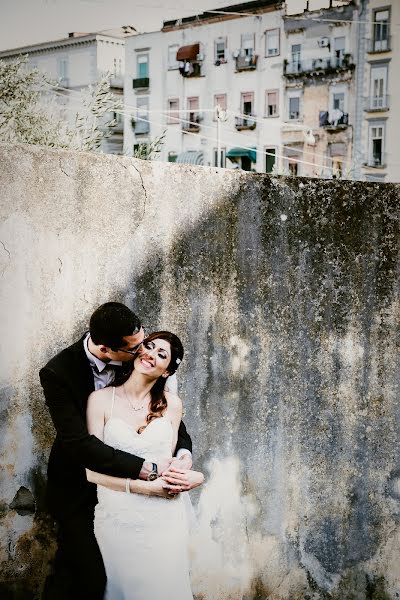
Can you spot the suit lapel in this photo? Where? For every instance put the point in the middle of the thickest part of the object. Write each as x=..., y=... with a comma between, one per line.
x=83, y=374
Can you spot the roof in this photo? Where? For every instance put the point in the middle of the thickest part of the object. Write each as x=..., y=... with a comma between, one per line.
x=80, y=40
x=256, y=7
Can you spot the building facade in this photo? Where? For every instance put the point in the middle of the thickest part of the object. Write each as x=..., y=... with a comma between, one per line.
x=319, y=92
x=380, y=92
x=77, y=62
x=176, y=77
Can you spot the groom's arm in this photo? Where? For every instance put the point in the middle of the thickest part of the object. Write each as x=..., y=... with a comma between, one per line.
x=83, y=448
x=183, y=450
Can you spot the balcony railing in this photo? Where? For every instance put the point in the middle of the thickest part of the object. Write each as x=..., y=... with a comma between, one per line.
x=318, y=65
x=140, y=127
x=246, y=63
x=380, y=45
x=376, y=103
x=332, y=121
x=247, y=122
x=141, y=82
x=190, y=69
x=117, y=82
x=378, y=161
x=192, y=124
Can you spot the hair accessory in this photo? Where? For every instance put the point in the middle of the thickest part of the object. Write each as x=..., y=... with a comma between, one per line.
x=178, y=361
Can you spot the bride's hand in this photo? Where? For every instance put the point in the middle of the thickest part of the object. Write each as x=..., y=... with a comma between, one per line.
x=187, y=480
x=161, y=488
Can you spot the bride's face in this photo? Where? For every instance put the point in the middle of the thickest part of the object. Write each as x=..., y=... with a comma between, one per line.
x=153, y=358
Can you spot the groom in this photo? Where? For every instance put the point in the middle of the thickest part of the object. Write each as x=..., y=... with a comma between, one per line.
x=115, y=335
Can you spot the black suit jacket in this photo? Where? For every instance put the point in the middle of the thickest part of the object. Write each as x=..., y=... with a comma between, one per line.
x=67, y=381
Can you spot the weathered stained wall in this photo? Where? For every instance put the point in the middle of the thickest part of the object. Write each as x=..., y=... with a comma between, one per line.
x=285, y=292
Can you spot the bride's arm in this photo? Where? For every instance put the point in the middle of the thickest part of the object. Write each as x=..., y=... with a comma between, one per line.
x=96, y=413
x=159, y=487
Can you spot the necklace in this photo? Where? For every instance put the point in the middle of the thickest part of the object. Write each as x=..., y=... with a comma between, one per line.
x=130, y=403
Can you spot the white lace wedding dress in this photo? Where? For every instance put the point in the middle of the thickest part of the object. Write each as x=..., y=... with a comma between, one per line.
x=143, y=539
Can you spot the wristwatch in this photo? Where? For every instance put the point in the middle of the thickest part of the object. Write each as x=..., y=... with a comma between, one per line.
x=153, y=473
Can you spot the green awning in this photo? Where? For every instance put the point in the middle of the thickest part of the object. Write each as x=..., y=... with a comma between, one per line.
x=238, y=152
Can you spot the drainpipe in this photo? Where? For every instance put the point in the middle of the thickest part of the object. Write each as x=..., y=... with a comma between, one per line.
x=360, y=73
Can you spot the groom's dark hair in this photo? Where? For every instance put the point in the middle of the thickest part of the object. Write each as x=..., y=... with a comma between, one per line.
x=111, y=322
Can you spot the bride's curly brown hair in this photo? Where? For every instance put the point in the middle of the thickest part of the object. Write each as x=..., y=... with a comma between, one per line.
x=158, y=401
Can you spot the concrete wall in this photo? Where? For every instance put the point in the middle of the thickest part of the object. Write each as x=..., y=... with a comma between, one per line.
x=285, y=294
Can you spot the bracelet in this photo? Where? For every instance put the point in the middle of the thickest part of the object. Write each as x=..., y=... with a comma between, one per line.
x=127, y=486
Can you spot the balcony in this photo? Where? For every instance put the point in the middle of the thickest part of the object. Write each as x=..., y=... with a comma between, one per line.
x=334, y=120
x=380, y=45
x=140, y=126
x=141, y=83
x=377, y=161
x=247, y=122
x=318, y=66
x=117, y=82
x=246, y=63
x=192, y=125
x=190, y=69
x=376, y=103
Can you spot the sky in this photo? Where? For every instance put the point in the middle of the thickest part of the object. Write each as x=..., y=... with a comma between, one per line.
x=24, y=22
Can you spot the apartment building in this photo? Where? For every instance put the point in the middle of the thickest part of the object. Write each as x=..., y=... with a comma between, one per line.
x=78, y=61
x=380, y=92
x=319, y=92
x=176, y=77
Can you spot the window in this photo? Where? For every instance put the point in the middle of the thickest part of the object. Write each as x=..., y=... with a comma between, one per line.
x=272, y=42
x=247, y=44
x=142, y=124
x=172, y=62
x=376, y=145
x=142, y=66
x=247, y=101
x=381, y=30
x=222, y=157
x=293, y=167
x=294, y=107
x=63, y=68
x=193, y=107
x=172, y=156
x=271, y=109
x=220, y=99
x=220, y=50
x=296, y=56
x=378, y=87
x=173, y=111
x=338, y=101
x=339, y=45
x=270, y=159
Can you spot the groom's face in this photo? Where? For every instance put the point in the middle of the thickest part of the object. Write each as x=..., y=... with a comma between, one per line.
x=127, y=351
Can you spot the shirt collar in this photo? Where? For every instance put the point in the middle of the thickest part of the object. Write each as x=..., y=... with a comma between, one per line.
x=96, y=362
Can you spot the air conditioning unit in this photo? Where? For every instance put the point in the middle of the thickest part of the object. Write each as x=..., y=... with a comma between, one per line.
x=324, y=42
x=200, y=57
x=236, y=54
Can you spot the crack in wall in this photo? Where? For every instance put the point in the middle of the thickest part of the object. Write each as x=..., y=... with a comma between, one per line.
x=6, y=249
x=144, y=189
x=61, y=265
x=61, y=168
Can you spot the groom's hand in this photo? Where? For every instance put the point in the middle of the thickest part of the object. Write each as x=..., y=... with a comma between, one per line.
x=186, y=479
x=183, y=462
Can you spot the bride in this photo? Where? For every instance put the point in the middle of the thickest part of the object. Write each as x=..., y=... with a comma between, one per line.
x=143, y=537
